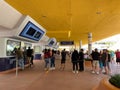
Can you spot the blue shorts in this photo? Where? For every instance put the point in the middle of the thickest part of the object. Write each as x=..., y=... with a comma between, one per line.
x=101, y=64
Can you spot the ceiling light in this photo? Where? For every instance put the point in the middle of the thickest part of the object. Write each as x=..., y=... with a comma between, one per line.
x=69, y=34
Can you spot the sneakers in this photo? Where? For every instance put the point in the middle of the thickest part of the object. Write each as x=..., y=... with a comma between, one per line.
x=75, y=71
x=52, y=68
x=97, y=73
x=93, y=72
x=45, y=69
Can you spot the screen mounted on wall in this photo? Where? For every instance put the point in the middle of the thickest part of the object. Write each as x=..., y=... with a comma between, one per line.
x=31, y=31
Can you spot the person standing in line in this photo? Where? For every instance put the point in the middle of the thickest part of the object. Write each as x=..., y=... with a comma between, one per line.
x=100, y=62
x=52, y=65
x=117, y=56
x=81, y=60
x=74, y=59
x=91, y=60
x=19, y=54
x=46, y=58
x=108, y=61
x=32, y=57
x=104, y=58
x=29, y=55
x=95, y=57
x=112, y=55
x=24, y=54
x=49, y=57
x=63, y=59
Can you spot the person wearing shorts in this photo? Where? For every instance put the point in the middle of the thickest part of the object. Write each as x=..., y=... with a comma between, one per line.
x=117, y=56
x=95, y=57
x=104, y=58
x=63, y=59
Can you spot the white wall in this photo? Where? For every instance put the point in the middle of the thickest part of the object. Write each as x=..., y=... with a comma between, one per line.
x=2, y=47
x=8, y=15
x=11, y=24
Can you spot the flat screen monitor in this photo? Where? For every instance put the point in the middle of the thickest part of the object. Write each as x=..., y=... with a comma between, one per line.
x=31, y=31
x=51, y=43
x=37, y=35
x=67, y=43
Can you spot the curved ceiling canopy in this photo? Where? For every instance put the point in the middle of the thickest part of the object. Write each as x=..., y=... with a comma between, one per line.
x=73, y=19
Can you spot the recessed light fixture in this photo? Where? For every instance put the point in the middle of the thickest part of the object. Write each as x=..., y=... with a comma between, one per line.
x=98, y=12
x=69, y=33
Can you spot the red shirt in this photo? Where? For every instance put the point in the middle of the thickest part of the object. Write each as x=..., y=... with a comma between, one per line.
x=117, y=54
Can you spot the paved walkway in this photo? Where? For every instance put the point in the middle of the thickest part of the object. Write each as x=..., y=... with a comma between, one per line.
x=36, y=78
x=115, y=68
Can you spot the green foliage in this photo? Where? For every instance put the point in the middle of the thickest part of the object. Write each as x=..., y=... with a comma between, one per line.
x=115, y=80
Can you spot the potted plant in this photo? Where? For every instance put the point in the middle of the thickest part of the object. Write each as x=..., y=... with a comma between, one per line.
x=115, y=80
x=112, y=83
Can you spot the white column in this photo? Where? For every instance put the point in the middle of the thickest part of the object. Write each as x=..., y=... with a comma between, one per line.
x=89, y=43
x=80, y=44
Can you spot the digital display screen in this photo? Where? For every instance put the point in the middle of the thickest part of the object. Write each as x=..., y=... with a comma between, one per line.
x=37, y=35
x=31, y=31
x=67, y=42
x=51, y=42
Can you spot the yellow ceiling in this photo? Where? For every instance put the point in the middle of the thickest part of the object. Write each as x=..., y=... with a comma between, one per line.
x=73, y=19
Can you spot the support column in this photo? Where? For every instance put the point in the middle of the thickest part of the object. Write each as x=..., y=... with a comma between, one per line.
x=80, y=44
x=89, y=43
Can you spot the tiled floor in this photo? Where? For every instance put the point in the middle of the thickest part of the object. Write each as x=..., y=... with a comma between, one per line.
x=36, y=78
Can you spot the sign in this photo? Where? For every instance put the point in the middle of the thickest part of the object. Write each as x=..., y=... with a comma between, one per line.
x=67, y=43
